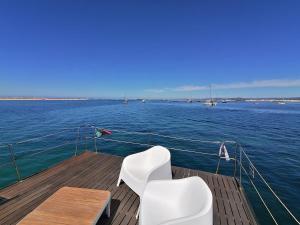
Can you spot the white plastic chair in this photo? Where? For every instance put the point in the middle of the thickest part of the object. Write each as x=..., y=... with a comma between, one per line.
x=140, y=168
x=185, y=201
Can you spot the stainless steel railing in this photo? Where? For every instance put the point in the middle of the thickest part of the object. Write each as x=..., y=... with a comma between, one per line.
x=84, y=139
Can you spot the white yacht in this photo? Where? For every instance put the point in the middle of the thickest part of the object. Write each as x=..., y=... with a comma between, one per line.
x=211, y=102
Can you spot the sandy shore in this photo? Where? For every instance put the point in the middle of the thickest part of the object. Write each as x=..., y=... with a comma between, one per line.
x=42, y=99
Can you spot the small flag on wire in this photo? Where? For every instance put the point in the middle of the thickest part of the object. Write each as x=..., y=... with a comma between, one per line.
x=102, y=132
x=223, y=152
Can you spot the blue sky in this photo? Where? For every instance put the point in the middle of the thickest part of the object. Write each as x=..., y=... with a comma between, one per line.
x=154, y=49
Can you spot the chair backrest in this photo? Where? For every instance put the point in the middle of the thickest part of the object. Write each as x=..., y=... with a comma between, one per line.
x=157, y=155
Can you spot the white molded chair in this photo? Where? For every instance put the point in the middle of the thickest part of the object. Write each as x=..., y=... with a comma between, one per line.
x=140, y=168
x=185, y=201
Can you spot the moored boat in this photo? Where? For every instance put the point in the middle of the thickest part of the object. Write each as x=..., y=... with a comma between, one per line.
x=211, y=102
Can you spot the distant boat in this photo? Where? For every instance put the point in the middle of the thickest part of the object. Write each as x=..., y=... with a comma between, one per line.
x=210, y=102
x=189, y=101
x=125, y=101
x=143, y=101
x=281, y=103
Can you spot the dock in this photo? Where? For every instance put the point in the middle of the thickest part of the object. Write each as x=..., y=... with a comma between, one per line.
x=101, y=171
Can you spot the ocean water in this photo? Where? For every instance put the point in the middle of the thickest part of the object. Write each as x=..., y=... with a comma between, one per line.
x=270, y=134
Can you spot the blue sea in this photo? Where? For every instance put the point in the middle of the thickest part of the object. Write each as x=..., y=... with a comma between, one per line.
x=269, y=133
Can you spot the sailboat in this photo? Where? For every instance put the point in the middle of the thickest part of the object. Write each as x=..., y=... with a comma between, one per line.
x=125, y=100
x=281, y=102
x=211, y=101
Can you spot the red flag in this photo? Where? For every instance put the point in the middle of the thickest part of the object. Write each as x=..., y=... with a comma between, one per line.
x=106, y=132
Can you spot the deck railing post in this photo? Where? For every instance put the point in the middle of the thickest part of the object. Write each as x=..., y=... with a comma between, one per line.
x=13, y=160
x=241, y=164
x=149, y=139
x=235, y=159
x=95, y=144
x=86, y=144
x=218, y=165
x=77, y=141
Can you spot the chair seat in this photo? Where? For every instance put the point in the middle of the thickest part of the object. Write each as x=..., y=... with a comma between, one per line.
x=185, y=201
x=138, y=174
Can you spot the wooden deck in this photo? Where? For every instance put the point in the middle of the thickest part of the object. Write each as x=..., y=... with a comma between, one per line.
x=100, y=171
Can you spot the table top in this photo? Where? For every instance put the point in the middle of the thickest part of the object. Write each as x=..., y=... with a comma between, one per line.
x=68, y=206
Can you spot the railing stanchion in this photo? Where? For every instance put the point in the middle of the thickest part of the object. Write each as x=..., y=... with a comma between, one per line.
x=77, y=141
x=86, y=145
x=218, y=166
x=95, y=144
x=241, y=164
x=149, y=139
x=13, y=160
x=235, y=159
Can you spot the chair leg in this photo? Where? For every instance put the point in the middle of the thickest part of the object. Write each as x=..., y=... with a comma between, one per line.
x=107, y=211
x=138, y=212
x=119, y=182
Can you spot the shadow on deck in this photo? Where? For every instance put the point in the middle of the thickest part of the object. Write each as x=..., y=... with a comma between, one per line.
x=100, y=171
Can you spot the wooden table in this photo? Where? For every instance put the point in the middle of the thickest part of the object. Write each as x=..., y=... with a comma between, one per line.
x=70, y=205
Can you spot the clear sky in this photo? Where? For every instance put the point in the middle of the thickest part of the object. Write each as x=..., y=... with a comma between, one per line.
x=163, y=48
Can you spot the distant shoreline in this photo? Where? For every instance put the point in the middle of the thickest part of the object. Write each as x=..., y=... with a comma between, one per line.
x=220, y=100
x=43, y=99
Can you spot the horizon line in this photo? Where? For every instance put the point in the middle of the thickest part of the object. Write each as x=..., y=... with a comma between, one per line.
x=41, y=98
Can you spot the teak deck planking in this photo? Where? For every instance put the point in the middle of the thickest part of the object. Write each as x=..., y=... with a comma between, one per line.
x=100, y=171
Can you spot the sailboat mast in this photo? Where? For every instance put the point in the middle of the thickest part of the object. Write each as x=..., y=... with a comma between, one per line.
x=210, y=93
